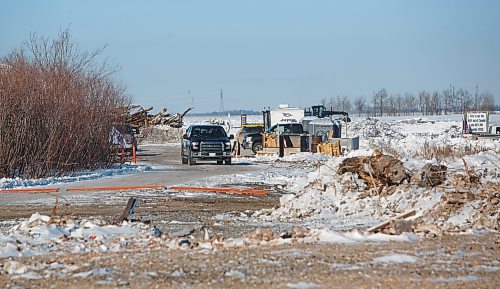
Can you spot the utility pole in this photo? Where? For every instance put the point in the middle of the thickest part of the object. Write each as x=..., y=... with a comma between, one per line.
x=221, y=107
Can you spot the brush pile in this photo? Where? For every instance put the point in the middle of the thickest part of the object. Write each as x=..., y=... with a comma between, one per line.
x=140, y=117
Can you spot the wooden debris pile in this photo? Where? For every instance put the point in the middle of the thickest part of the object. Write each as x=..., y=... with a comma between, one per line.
x=140, y=117
x=378, y=171
x=430, y=176
x=484, y=202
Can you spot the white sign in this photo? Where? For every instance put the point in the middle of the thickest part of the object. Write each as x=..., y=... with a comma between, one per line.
x=286, y=115
x=477, y=122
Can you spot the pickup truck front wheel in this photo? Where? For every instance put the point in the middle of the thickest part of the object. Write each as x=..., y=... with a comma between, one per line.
x=228, y=162
x=191, y=160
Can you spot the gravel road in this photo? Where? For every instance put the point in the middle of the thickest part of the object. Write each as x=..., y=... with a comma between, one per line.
x=167, y=170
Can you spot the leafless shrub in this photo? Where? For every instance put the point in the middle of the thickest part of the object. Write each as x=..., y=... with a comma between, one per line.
x=440, y=152
x=57, y=109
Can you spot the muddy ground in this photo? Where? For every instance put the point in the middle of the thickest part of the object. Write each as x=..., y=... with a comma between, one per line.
x=450, y=261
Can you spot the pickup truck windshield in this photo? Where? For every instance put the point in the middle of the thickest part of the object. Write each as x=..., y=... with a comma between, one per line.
x=208, y=132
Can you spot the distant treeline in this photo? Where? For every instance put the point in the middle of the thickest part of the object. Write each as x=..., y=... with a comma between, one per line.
x=226, y=112
x=425, y=102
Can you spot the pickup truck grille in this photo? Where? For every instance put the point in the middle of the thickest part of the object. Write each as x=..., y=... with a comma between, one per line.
x=211, y=146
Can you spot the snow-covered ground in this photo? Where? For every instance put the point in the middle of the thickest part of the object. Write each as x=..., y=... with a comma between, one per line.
x=316, y=197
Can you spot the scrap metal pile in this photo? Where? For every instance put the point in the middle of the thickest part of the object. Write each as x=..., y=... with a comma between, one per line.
x=140, y=117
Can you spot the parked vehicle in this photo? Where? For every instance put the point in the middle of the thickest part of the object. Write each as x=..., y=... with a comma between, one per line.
x=250, y=136
x=206, y=142
x=123, y=137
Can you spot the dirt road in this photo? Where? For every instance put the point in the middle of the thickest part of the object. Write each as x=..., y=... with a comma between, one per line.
x=167, y=170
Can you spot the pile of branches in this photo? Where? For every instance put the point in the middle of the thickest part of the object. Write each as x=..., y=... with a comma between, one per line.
x=139, y=117
x=57, y=109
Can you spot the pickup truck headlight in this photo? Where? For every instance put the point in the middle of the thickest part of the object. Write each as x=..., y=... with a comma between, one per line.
x=227, y=145
x=195, y=145
x=248, y=139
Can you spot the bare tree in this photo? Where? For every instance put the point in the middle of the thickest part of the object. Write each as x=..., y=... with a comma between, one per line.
x=410, y=103
x=424, y=102
x=391, y=105
x=346, y=104
x=486, y=101
x=360, y=104
x=435, y=103
x=379, y=101
x=332, y=103
x=446, y=100
x=398, y=104
x=464, y=99
x=323, y=101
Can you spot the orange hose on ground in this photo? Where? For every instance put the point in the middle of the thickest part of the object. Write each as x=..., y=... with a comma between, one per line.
x=43, y=190
x=221, y=190
x=122, y=188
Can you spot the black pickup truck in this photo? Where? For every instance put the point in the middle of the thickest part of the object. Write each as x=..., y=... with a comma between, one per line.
x=206, y=142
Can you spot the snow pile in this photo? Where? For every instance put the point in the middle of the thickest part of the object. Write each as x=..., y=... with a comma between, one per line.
x=353, y=237
x=410, y=137
x=375, y=128
x=38, y=236
x=322, y=198
x=8, y=183
x=160, y=134
x=395, y=258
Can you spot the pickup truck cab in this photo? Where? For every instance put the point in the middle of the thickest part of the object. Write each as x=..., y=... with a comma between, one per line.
x=206, y=142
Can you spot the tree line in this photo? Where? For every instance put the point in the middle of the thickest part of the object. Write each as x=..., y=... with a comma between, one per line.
x=425, y=102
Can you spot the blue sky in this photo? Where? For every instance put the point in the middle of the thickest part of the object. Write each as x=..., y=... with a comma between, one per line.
x=263, y=53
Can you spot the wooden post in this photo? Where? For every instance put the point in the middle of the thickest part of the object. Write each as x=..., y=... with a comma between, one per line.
x=281, y=144
x=134, y=160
